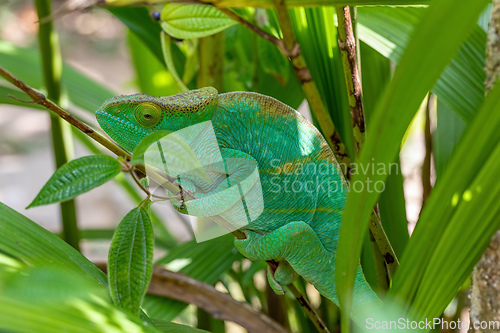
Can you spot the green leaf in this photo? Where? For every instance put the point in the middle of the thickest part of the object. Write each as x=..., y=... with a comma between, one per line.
x=130, y=260
x=473, y=224
x=473, y=185
x=274, y=63
x=32, y=300
x=26, y=240
x=388, y=30
x=446, y=135
x=77, y=177
x=152, y=77
x=183, y=21
x=442, y=30
x=166, y=48
x=45, y=285
x=288, y=3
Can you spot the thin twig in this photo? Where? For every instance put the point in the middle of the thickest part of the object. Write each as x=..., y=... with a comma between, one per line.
x=62, y=141
x=347, y=44
x=250, y=26
x=220, y=305
x=311, y=313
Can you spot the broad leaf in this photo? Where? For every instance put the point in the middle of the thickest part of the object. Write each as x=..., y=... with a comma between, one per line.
x=48, y=300
x=193, y=21
x=130, y=260
x=77, y=177
x=274, y=63
x=388, y=30
x=26, y=240
x=464, y=181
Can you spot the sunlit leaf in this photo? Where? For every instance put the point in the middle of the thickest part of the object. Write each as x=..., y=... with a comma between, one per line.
x=48, y=300
x=185, y=21
x=130, y=260
x=460, y=185
x=460, y=86
x=77, y=177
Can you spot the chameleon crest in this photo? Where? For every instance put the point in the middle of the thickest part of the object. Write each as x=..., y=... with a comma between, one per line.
x=129, y=118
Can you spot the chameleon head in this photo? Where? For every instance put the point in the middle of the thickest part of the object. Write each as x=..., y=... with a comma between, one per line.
x=128, y=119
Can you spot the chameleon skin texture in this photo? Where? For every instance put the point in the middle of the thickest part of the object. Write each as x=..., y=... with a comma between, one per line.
x=303, y=192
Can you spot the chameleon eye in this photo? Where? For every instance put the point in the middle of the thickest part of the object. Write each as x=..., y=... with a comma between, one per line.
x=147, y=114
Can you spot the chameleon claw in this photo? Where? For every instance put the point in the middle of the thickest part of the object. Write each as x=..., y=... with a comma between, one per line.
x=275, y=285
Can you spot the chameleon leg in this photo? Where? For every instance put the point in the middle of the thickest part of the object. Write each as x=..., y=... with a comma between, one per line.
x=299, y=245
x=283, y=275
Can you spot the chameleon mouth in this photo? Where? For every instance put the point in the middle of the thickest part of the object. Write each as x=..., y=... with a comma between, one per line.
x=122, y=131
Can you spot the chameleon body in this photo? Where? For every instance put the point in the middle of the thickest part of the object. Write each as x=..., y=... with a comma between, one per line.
x=302, y=187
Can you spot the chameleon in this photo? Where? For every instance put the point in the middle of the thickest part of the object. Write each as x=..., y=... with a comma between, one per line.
x=302, y=184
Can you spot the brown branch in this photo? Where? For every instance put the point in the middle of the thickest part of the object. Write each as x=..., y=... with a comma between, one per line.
x=250, y=26
x=485, y=303
x=311, y=313
x=426, y=165
x=220, y=305
x=347, y=45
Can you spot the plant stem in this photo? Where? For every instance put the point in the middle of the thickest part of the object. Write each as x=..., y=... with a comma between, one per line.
x=211, y=51
x=426, y=165
x=62, y=141
x=347, y=45
x=291, y=49
x=311, y=313
x=166, y=48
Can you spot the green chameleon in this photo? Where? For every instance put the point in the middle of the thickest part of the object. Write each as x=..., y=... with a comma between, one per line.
x=302, y=185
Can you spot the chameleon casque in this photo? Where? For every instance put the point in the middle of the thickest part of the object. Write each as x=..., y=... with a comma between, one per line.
x=302, y=186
